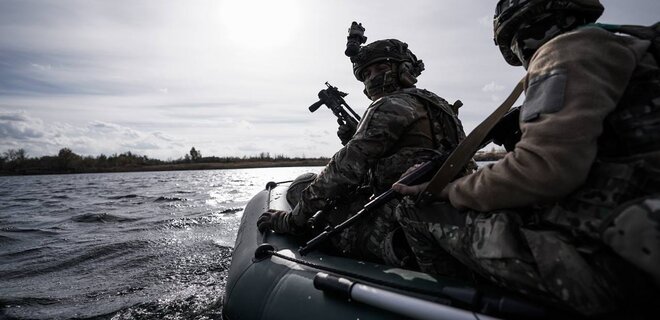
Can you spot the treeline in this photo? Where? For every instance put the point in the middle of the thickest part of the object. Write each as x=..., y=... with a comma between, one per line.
x=17, y=162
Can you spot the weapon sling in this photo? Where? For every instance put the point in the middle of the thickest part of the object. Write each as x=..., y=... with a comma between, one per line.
x=468, y=147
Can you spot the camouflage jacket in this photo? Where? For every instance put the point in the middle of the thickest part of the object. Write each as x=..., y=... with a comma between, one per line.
x=397, y=131
x=581, y=99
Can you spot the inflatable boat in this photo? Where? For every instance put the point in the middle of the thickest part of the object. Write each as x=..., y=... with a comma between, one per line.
x=270, y=279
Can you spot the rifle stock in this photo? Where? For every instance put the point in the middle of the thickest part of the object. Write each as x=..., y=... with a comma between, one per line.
x=316, y=106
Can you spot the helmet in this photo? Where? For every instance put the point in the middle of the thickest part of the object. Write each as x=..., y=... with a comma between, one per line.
x=387, y=50
x=511, y=14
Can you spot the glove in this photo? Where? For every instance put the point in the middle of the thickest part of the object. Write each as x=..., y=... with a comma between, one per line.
x=275, y=220
x=345, y=133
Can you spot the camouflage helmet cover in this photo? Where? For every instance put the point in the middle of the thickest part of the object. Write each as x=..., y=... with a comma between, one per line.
x=511, y=14
x=385, y=50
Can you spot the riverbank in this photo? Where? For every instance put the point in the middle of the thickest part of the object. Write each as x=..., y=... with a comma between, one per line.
x=67, y=162
x=239, y=164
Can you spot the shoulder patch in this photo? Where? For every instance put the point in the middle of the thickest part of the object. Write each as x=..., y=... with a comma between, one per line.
x=545, y=94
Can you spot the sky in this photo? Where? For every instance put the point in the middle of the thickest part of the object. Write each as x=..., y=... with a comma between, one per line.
x=230, y=78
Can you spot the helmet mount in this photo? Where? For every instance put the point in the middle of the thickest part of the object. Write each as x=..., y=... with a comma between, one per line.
x=405, y=65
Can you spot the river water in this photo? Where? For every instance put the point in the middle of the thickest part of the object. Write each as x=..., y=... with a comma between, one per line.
x=145, y=245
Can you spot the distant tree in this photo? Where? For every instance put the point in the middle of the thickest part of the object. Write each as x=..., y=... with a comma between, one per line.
x=17, y=155
x=264, y=155
x=195, y=154
x=68, y=160
x=65, y=153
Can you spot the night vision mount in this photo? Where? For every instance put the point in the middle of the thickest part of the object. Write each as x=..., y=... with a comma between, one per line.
x=354, y=40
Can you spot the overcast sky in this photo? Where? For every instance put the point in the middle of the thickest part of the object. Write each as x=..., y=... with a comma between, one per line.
x=230, y=78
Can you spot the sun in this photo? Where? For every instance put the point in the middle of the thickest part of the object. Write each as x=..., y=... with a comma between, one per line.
x=260, y=23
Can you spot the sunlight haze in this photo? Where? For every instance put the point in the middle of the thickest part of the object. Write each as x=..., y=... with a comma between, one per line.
x=230, y=78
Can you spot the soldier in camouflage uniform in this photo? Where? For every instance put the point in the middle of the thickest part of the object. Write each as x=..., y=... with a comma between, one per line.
x=573, y=212
x=402, y=126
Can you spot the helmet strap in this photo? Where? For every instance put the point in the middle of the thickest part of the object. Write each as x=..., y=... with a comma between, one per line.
x=383, y=83
x=406, y=77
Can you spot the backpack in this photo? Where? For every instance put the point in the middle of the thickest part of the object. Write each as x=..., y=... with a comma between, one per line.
x=651, y=33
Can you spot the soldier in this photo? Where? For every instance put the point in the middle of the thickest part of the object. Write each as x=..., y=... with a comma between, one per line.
x=402, y=126
x=573, y=212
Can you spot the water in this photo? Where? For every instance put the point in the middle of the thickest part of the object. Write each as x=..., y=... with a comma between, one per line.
x=147, y=245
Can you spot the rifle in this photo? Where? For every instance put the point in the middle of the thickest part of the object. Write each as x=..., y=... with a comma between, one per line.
x=505, y=131
x=334, y=100
x=421, y=174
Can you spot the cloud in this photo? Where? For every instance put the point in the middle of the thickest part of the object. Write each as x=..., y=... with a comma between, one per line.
x=15, y=117
x=18, y=126
x=492, y=87
x=163, y=76
x=486, y=21
x=20, y=130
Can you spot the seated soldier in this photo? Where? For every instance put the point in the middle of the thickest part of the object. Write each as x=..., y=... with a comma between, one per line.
x=573, y=212
x=402, y=126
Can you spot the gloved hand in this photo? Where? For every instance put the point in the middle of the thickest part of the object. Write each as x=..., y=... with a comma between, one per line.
x=275, y=220
x=417, y=189
x=345, y=132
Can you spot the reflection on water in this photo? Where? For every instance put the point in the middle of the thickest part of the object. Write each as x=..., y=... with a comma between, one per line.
x=122, y=245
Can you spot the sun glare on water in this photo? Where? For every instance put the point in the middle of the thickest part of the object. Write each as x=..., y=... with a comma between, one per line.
x=260, y=23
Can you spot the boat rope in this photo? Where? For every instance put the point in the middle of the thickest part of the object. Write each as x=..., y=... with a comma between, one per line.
x=266, y=250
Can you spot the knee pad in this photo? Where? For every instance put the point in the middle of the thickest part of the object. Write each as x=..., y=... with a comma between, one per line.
x=396, y=251
x=634, y=234
x=294, y=193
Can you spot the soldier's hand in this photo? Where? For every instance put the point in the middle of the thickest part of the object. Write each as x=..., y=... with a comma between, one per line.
x=409, y=190
x=345, y=132
x=275, y=220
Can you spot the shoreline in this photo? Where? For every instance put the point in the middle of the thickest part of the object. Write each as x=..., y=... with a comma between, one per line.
x=248, y=164
x=231, y=164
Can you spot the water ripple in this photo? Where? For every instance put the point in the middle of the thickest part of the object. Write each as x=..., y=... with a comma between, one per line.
x=127, y=196
x=169, y=199
x=101, y=217
x=139, y=245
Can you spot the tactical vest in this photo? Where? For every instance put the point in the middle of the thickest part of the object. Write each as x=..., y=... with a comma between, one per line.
x=445, y=129
x=445, y=137
x=627, y=164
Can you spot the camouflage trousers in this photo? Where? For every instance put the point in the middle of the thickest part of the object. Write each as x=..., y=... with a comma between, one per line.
x=513, y=252
x=376, y=237
x=369, y=239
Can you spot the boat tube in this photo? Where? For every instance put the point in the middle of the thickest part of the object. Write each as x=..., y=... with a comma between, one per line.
x=269, y=279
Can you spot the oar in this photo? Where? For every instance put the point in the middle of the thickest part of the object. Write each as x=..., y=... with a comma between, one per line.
x=404, y=305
